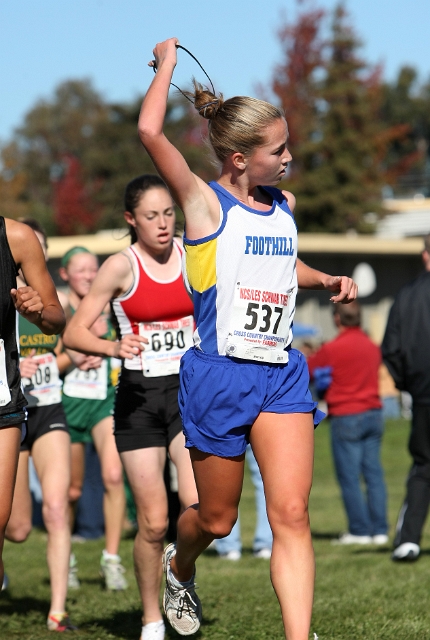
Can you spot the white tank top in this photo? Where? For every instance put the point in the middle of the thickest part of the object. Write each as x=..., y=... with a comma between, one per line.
x=243, y=280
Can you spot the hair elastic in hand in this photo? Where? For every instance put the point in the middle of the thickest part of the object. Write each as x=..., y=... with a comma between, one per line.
x=179, y=46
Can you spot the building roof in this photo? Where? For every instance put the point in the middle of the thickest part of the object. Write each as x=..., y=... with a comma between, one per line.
x=108, y=242
x=103, y=243
x=403, y=224
x=358, y=244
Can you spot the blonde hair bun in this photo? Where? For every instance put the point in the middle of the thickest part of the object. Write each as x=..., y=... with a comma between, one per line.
x=206, y=103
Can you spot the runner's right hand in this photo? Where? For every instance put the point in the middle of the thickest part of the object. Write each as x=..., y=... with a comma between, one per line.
x=130, y=346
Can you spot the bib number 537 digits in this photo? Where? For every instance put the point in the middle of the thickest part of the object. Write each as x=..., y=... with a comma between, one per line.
x=260, y=325
x=269, y=317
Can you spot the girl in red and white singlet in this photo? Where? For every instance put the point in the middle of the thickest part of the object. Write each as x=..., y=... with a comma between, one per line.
x=155, y=319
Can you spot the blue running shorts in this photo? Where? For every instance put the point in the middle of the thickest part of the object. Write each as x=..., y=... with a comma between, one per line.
x=220, y=398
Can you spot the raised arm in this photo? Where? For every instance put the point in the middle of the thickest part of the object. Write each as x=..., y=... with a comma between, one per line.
x=344, y=287
x=197, y=201
x=111, y=281
x=38, y=302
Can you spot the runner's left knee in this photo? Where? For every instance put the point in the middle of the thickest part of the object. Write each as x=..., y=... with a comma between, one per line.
x=292, y=514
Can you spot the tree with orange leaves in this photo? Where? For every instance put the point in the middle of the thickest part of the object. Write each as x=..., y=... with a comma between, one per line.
x=338, y=139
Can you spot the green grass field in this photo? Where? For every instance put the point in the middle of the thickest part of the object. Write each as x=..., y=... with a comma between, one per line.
x=360, y=593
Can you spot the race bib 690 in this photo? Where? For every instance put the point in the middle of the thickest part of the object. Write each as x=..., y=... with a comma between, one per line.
x=167, y=343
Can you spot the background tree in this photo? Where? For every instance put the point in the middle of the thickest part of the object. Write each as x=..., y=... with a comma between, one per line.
x=295, y=83
x=351, y=134
x=70, y=161
x=406, y=106
x=340, y=137
x=344, y=181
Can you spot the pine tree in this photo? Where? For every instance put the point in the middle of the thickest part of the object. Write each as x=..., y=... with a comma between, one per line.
x=406, y=107
x=295, y=80
x=344, y=182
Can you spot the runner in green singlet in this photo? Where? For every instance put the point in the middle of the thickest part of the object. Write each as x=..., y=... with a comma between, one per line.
x=88, y=397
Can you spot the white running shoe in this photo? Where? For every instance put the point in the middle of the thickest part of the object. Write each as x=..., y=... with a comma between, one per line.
x=380, y=538
x=112, y=571
x=181, y=603
x=73, y=580
x=153, y=631
x=234, y=555
x=406, y=552
x=264, y=553
x=349, y=538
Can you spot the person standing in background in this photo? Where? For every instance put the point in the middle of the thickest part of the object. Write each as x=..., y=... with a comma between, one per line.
x=406, y=352
x=355, y=413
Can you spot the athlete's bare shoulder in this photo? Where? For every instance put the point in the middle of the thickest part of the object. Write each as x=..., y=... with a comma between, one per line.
x=116, y=273
x=290, y=198
x=17, y=231
x=22, y=240
x=121, y=261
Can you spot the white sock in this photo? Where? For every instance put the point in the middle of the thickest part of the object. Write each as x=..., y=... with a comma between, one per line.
x=176, y=582
x=110, y=556
x=152, y=626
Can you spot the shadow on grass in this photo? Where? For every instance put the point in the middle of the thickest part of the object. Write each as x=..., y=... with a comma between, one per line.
x=11, y=606
x=98, y=582
x=124, y=624
x=373, y=550
x=326, y=535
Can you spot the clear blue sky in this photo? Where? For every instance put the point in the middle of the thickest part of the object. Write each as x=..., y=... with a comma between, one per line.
x=43, y=42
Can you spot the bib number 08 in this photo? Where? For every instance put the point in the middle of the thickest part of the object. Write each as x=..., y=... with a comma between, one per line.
x=255, y=311
x=41, y=377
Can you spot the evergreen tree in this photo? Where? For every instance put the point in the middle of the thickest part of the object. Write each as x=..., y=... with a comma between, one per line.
x=295, y=81
x=406, y=107
x=343, y=180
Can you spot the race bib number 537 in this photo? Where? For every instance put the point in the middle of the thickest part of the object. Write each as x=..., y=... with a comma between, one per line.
x=260, y=325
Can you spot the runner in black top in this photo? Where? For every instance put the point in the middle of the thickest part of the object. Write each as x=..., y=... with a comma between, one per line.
x=48, y=443
x=38, y=303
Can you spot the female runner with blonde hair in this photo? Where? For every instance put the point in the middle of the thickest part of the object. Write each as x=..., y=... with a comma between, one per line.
x=242, y=381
